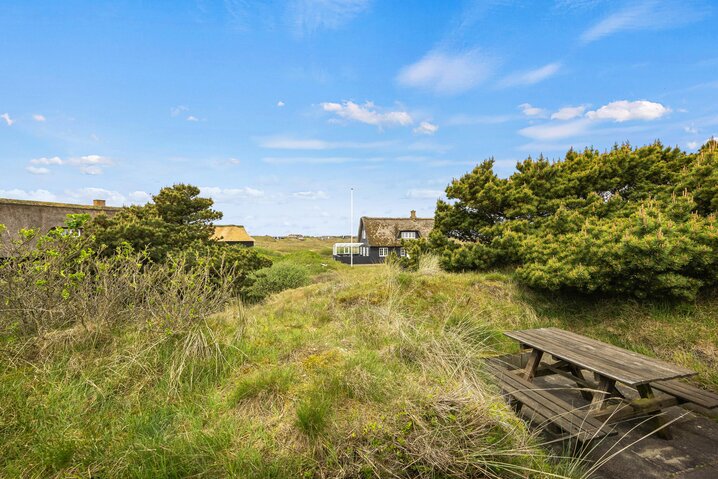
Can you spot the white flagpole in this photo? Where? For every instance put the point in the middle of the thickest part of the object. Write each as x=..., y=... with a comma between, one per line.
x=351, y=228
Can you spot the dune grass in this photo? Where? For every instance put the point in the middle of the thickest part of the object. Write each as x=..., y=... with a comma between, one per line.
x=366, y=372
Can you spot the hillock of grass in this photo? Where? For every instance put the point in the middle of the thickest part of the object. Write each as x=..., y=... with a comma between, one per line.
x=366, y=372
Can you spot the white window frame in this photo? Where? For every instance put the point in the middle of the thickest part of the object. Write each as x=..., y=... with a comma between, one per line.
x=383, y=252
x=402, y=252
x=408, y=235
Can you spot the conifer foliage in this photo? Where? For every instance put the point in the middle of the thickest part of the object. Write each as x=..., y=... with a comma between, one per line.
x=630, y=221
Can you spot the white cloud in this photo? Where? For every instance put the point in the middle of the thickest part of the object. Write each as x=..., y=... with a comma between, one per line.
x=234, y=161
x=289, y=143
x=35, y=195
x=8, y=120
x=420, y=193
x=90, y=160
x=37, y=170
x=646, y=15
x=693, y=145
x=228, y=195
x=367, y=113
x=568, y=113
x=691, y=129
x=448, y=73
x=88, y=164
x=309, y=16
x=140, y=197
x=55, y=160
x=625, y=110
x=38, y=117
x=280, y=103
x=426, y=128
x=530, y=110
x=192, y=118
x=311, y=195
x=178, y=110
x=555, y=131
x=532, y=76
x=85, y=195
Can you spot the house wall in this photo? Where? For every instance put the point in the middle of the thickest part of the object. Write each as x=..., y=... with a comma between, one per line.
x=19, y=214
x=373, y=257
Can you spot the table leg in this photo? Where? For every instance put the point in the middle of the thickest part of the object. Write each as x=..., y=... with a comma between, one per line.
x=603, y=391
x=576, y=372
x=646, y=392
x=532, y=364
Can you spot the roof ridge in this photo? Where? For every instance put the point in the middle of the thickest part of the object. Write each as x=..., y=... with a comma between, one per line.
x=53, y=204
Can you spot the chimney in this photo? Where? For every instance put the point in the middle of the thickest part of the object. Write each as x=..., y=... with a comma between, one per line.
x=98, y=202
x=413, y=214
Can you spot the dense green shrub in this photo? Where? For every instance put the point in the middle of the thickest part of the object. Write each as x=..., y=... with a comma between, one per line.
x=176, y=218
x=278, y=277
x=629, y=221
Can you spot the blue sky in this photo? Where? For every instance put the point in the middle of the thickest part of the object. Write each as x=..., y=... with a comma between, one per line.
x=276, y=109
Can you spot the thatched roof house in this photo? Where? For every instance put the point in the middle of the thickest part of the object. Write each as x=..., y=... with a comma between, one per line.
x=232, y=234
x=379, y=237
x=389, y=232
x=42, y=216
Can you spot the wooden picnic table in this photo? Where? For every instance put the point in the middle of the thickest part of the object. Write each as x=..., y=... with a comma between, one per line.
x=609, y=364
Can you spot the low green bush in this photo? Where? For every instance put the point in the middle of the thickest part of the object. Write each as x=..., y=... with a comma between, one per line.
x=279, y=277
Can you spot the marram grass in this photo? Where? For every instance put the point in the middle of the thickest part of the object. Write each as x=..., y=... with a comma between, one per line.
x=371, y=372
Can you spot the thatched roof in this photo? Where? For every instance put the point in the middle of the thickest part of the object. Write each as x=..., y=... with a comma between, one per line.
x=387, y=231
x=231, y=234
x=39, y=215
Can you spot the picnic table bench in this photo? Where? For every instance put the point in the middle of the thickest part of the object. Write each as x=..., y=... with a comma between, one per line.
x=572, y=354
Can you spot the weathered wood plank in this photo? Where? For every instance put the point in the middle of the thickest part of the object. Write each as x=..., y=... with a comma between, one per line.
x=544, y=405
x=688, y=393
x=611, y=361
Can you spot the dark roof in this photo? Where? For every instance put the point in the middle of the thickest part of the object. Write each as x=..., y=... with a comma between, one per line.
x=39, y=215
x=387, y=231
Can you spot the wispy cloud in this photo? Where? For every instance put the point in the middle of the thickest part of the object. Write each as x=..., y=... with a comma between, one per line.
x=178, y=110
x=568, y=112
x=420, y=193
x=556, y=131
x=426, y=128
x=39, y=118
x=308, y=16
x=37, y=170
x=55, y=160
x=6, y=116
x=624, y=110
x=88, y=164
x=448, y=73
x=368, y=113
x=280, y=104
x=291, y=143
x=646, y=15
x=85, y=195
x=228, y=195
x=35, y=195
x=530, y=110
x=140, y=197
x=310, y=195
x=531, y=77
